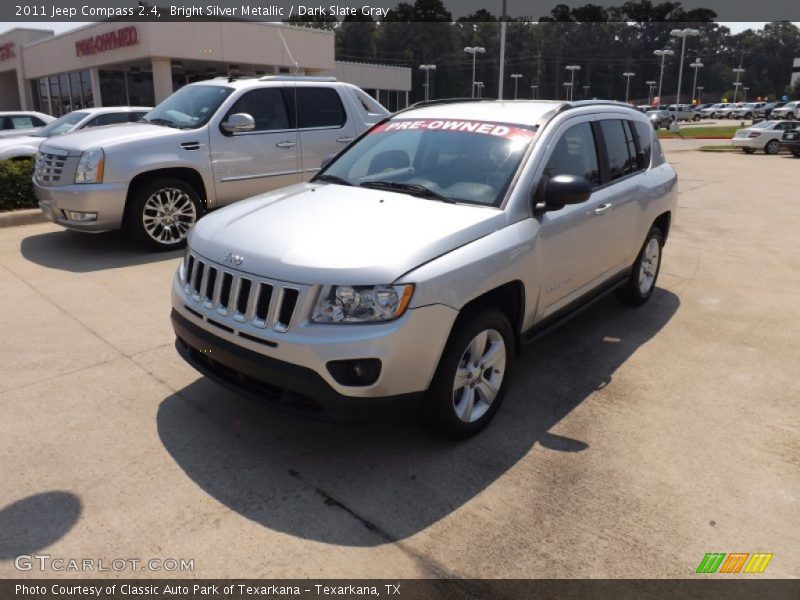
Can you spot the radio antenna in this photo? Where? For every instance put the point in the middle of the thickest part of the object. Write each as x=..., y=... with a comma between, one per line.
x=289, y=52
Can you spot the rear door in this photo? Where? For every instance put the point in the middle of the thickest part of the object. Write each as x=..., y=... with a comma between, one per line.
x=250, y=162
x=323, y=124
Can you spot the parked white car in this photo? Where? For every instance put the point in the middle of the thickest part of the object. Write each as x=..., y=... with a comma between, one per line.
x=26, y=146
x=790, y=110
x=764, y=135
x=22, y=122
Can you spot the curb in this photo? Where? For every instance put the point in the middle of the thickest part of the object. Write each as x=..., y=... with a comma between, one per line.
x=21, y=217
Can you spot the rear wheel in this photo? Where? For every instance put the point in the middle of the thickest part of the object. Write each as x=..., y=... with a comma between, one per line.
x=642, y=280
x=790, y=116
x=772, y=147
x=795, y=152
x=472, y=375
x=161, y=213
x=748, y=150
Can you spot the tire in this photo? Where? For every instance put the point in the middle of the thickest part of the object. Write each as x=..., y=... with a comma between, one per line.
x=460, y=411
x=748, y=150
x=795, y=152
x=642, y=281
x=748, y=116
x=695, y=118
x=790, y=116
x=161, y=212
x=772, y=147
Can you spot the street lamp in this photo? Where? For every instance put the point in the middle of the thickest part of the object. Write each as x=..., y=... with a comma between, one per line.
x=696, y=65
x=627, y=77
x=474, y=50
x=663, y=54
x=572, y=69
x=700, y=89
x=738, y=71
x=568, y=87
x=427, y=84
x=516, y=77
x=533, y=91
x=744, y=89
x=585, y=92
x=683, y=34
x=479, y=85
x=652, y=86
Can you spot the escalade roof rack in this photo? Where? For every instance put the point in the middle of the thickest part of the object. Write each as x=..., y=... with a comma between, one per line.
x=296, y=78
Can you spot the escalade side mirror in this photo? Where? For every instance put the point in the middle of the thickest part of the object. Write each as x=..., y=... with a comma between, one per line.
x=566, y=189
x=238, y=122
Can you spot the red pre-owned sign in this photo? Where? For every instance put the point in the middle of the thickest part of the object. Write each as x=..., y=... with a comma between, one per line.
x=127, y=36
x=7, y=51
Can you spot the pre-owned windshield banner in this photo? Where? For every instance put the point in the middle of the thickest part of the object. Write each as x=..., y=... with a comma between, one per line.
x=502, y=130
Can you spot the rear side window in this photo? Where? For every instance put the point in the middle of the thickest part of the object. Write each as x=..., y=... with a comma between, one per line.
x=575, y=154
x=645, y=133
x=108, y=119
x=5, y=123
x=318, y=107
x=267, y=108
x=620, y=148
x=22, y=122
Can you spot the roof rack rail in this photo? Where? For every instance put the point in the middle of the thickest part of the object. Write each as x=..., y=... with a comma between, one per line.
x=439, y=101
x=579, y=103
x=297, y=78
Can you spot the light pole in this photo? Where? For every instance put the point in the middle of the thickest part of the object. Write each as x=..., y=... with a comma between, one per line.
x=738, y=71
x=479, y=85
x=744, y=89
x=474, y=50
x=700, y=89
x=427, y=84
x=585, y=92
x=516, y=77
x=683, y=34
x=572, y=69
x=627, y=77
x=568, y=87
x=696, y=65
x=533, y=91
x=652, y=86
x=663, y=54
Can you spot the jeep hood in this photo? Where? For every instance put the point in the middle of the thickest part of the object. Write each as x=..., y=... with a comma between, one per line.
x=111, y=135
x=333, y=234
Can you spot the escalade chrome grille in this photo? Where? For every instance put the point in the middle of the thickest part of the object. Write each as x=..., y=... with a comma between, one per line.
x=242, y=298
x=49, y=167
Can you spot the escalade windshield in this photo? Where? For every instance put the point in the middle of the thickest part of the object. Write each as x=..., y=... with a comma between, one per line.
x=190, y=107
x=452, y=160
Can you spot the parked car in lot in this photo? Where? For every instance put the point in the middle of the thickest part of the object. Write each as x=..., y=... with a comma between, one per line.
x=791, y=141
x=660, y=118
x=22, y=122
x=726, y=112
x=26, y=146
x=683, y=112
x=208, y=144
x=790, y=110
x=414, y=265
x=764, y=135
x=765, y=112
x=746, y=110
x=710, y=111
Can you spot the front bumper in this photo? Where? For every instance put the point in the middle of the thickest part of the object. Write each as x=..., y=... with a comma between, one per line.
x=105, y=199
x=291, y=368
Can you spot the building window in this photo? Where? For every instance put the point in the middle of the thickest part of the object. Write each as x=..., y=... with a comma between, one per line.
x=55, y=97
x=86, y=89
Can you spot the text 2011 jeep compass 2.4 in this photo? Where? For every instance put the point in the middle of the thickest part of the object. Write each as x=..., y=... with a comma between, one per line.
x=415, y=264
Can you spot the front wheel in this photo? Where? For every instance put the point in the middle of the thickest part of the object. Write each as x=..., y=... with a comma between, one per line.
x=161, y=213
x=472, y=376
x=772, y=147
x=696, y=118
x=642, y=281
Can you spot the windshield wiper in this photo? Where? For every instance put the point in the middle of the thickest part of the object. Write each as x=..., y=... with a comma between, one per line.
x=158, y=121
x=414, y=189
x=332, y=179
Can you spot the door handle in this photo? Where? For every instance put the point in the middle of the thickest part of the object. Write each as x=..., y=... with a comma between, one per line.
x=286, y=144
x=601, y=209
x=344, y=140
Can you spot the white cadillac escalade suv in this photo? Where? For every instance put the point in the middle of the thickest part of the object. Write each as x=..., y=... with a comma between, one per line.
x=413, y=266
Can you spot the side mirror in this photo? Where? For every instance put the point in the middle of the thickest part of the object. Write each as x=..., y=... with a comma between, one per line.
x=239, y=122
x=566, y=189
x=326, y=161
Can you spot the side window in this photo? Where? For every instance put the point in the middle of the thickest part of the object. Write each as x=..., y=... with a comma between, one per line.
x=645, y=133
x=619, y=147
x=37, y=122
x=107, y=119
x=22, y=122
x=575, y=154
x=267, y=108
x=134, y=117
x=5, y=123
x=319, y=107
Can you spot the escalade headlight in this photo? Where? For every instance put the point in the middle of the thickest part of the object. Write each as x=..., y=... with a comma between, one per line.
x=361, y=303
x=90, y=166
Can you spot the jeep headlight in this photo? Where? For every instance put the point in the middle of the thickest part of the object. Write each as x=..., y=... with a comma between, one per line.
x=361, y=303
x=90, y=166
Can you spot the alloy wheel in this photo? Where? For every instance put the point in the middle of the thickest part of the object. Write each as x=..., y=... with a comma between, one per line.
x=479, y=375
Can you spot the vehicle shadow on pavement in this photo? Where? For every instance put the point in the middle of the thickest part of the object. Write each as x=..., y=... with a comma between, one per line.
x=371, y=483
x=86, y=252
x=33, y=523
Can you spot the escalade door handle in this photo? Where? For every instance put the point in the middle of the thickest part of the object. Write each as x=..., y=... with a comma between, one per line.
x=601, y=209
x=344, y=140
x=286, y=144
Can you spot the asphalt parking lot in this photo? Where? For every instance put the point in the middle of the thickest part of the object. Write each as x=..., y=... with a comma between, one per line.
x=632, y=442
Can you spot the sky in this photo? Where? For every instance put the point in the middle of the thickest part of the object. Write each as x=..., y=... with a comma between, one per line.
x=62, y=27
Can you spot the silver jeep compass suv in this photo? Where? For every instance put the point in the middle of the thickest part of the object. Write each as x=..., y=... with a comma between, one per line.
x=415, y=264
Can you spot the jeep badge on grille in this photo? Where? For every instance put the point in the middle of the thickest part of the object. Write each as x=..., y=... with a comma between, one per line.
x=234, y=259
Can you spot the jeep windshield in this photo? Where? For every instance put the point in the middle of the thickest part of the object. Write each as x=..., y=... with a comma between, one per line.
x=471, y=162
x=190, y=107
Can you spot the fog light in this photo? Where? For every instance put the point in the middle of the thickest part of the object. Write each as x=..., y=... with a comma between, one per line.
x=82, y=217
x=359, y=372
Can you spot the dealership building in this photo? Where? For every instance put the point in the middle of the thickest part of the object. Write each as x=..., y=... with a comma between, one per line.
x=122, y=63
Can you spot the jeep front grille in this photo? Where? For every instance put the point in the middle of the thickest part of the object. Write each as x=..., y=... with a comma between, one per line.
x=241, y=297
x=49, y=167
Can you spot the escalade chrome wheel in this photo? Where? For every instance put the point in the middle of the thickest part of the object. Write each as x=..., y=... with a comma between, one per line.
x=473, y=374
x=162, y=213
